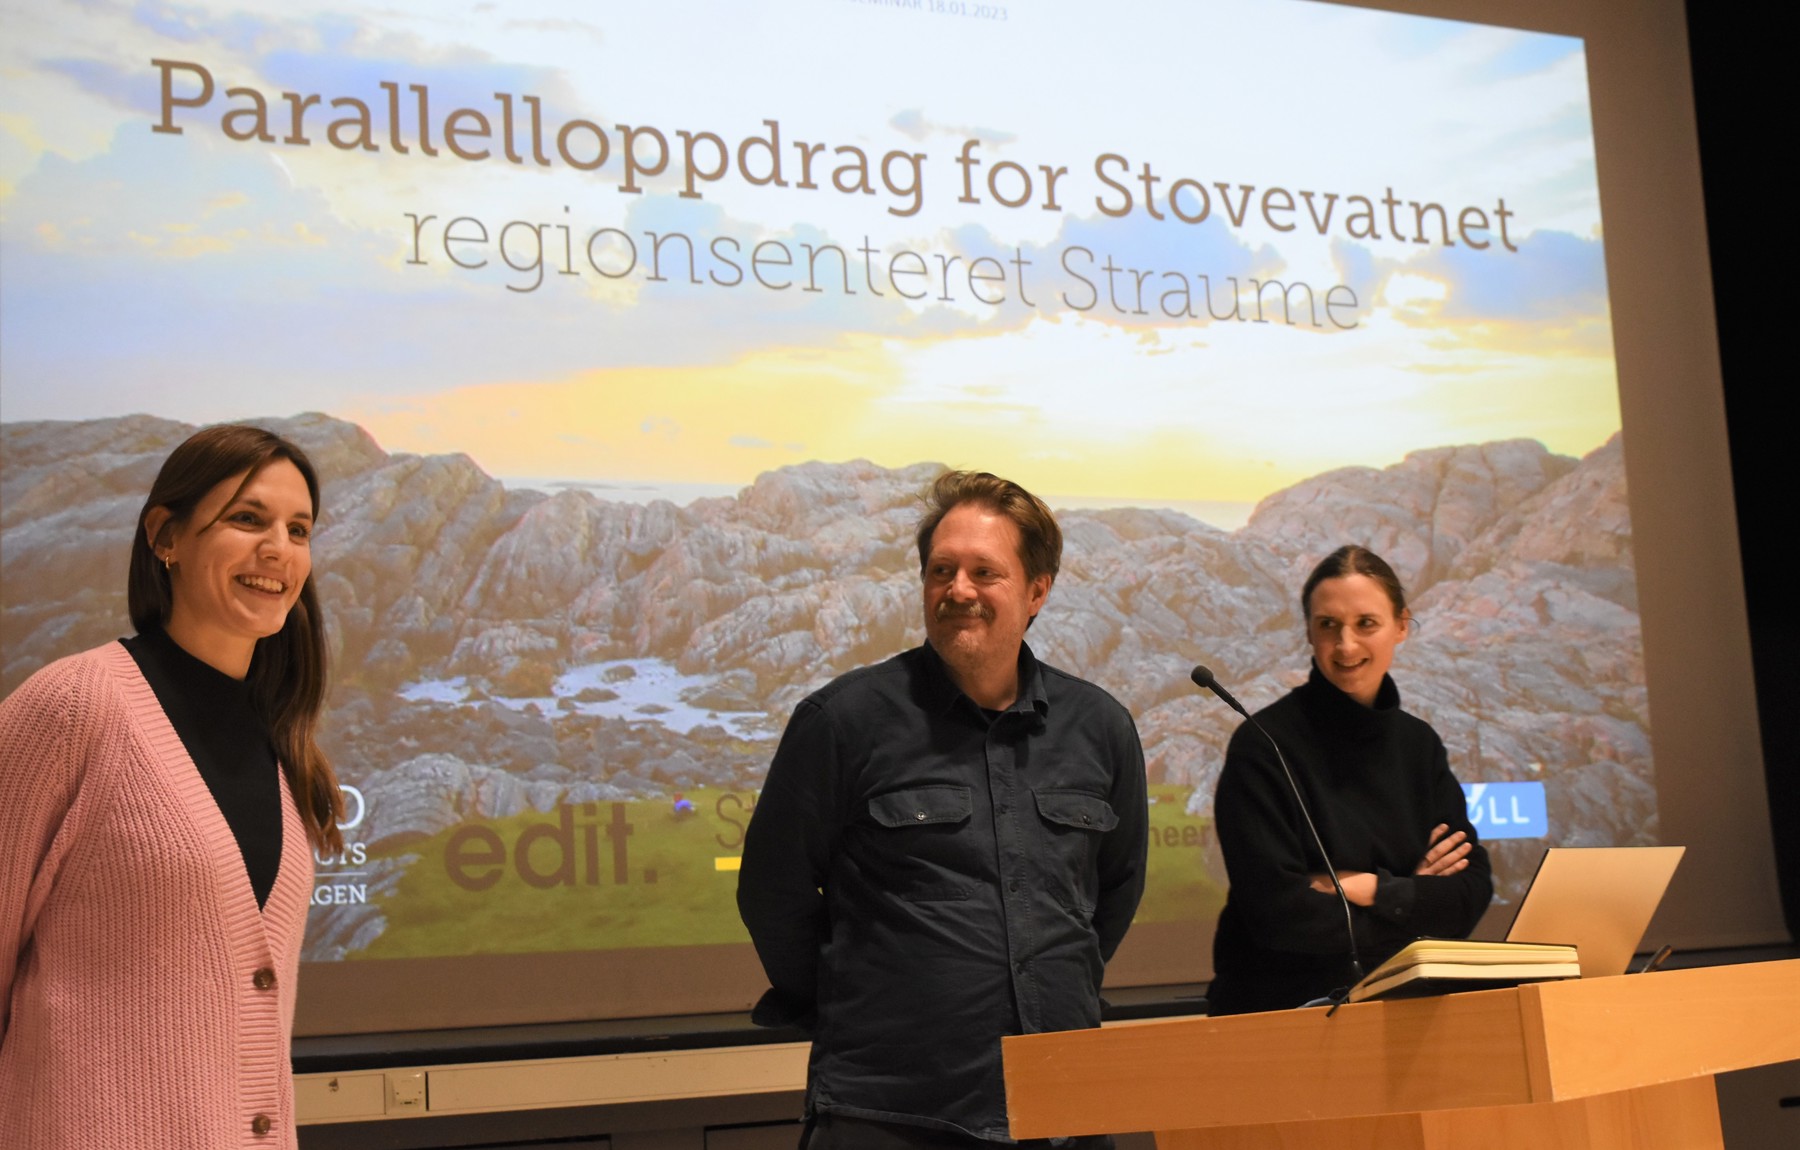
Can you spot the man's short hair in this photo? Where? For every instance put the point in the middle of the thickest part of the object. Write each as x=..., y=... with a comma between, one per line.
x=1040, y=539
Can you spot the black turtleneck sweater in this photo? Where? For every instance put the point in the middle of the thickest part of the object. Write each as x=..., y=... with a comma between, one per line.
x=1376, y=780
x=229, y=743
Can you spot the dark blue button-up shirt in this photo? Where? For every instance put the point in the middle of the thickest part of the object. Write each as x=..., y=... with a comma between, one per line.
x=921, y=877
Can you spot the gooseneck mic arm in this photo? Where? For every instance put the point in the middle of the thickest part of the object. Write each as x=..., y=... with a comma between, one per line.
x=1203, y=677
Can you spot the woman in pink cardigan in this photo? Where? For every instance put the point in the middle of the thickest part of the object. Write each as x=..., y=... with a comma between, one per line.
x=160, y=800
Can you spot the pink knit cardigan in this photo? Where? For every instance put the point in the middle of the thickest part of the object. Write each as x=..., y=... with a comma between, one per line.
x=148, y=1002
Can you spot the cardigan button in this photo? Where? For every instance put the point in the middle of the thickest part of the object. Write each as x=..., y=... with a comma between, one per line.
x=263, y=979
x=260, y=1125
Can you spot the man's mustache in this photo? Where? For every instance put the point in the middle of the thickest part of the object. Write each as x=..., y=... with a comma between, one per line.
x=976, y=610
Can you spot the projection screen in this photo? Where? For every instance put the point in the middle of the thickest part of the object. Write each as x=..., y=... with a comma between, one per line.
x=625, y=337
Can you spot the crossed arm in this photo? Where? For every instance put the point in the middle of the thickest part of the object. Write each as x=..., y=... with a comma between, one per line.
x=1447, y=854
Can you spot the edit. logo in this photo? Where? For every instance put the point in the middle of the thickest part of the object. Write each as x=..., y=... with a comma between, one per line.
x=1507, y=810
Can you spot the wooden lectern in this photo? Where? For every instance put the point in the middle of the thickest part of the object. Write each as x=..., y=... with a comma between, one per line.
x=1588, y=1063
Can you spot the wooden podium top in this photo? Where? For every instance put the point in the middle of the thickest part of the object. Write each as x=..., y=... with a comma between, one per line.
x=1537, y=1043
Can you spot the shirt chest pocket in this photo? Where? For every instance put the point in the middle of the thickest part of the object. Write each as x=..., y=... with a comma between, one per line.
x=923, y=842
x=922, y=806
x=1072, y=823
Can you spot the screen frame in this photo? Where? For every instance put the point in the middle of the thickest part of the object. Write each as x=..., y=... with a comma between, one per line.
x=1708, y=738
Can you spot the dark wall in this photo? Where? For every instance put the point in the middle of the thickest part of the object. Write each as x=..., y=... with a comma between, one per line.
x=1735, y=95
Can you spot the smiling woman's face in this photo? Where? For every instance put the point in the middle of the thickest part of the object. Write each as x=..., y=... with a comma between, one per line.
x=1353, y=630
x=238, y=563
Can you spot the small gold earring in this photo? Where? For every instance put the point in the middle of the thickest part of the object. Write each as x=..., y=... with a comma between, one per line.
x=168, y=561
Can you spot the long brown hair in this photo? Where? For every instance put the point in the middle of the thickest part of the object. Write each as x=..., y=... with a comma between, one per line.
x=287, y=669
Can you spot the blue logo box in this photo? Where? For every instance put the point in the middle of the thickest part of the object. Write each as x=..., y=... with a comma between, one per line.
x=1507, y=810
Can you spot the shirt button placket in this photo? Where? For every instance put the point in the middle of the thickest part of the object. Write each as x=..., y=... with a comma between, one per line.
x=1003, y=783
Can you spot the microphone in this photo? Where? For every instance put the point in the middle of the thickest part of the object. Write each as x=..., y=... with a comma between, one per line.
x=1203, y=677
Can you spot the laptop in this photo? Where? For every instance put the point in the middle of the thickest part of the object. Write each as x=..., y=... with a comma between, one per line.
x=1599, y=899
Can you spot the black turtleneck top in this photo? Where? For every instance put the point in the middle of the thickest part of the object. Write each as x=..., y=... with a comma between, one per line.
x=229, y=743
x=1376, y=780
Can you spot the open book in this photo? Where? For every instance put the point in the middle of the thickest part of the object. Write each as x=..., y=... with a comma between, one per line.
x=1440, y=965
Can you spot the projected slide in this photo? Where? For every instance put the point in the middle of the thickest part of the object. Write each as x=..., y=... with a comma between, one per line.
x=626, y=336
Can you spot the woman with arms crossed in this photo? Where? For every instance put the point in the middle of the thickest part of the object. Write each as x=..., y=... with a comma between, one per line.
x=1381, y=793
x=160, y=799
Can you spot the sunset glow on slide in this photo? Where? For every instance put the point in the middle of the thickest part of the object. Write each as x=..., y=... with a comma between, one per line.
x=1397, y=218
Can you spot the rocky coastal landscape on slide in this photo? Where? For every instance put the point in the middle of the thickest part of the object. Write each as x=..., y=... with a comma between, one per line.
x=501, y=650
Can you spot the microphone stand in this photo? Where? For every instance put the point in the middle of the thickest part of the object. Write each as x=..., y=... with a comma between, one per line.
x=1203, y=677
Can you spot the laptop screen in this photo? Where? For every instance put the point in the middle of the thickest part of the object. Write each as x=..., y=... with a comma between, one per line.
x=1599, y=899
